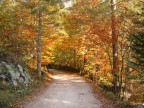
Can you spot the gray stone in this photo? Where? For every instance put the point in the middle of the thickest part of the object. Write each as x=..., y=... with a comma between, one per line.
x=24, y=74
x=16, y=74
x=10, y=71
x=14, y=83
x=21, y=80
x=21, y=71
x=20, y=68
x=2, y=77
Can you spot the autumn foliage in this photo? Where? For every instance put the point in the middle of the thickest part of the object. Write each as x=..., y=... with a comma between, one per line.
x=79, y=37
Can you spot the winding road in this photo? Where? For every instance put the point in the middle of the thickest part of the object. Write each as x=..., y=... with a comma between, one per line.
x=67, y=91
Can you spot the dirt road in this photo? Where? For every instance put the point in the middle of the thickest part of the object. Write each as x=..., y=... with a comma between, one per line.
x=67, y=91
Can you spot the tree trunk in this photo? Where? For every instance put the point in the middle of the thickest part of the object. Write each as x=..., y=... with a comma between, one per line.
x=114, y=44
x=39, y=42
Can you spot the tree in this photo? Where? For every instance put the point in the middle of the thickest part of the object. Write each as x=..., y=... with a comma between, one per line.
x=39, y=40
x=41, y=8
x=138, y=45
x=114, y=43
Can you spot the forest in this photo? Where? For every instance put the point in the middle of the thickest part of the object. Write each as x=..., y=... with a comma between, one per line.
x=102, y=40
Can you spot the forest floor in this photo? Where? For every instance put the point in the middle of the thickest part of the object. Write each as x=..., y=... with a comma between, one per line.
x=69, y=90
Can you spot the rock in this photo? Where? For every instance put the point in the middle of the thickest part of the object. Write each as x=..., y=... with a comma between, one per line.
x=24, y=74
x=20, y=68
x=21, y=80
x=2, y=77
x=14, y=82
x=14, y=74
x=17, y=75
x=10, y=70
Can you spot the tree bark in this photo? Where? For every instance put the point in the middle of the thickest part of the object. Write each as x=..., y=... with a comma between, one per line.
x=39, y=42
x=114, y=44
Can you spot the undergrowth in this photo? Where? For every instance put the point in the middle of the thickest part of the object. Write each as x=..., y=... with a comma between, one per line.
x=11, y=96
x=118, y=102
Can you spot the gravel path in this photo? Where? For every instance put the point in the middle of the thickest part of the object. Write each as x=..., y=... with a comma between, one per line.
x=66, y=91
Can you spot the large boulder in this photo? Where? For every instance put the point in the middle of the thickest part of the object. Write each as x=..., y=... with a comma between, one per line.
x=13, y=74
